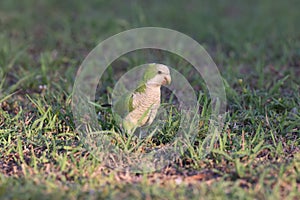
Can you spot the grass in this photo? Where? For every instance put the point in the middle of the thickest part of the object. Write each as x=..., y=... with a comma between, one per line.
x=256, y=47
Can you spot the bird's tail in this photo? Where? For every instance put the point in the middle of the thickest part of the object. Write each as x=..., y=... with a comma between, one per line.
x=107, y=105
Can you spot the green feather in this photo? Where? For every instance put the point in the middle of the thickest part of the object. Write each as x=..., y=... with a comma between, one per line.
x=141, y=89
x=150, y=72
x=124, y=104
x=130, y=104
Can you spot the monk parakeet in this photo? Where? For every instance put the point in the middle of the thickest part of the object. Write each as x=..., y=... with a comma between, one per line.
x=139, y=108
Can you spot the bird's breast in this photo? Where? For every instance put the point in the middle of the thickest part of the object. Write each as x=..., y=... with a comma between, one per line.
x=145, y=106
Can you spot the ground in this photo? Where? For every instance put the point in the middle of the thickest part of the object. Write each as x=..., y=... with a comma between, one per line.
x=256, y=46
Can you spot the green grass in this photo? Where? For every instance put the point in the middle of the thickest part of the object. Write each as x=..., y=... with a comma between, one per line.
x=256, y=47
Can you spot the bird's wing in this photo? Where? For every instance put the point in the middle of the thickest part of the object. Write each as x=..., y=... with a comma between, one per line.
x=124, y=104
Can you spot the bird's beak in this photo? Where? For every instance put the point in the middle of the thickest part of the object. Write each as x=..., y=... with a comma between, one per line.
x=167, y=80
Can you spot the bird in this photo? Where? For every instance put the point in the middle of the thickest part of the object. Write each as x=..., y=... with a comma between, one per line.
x=139, y=107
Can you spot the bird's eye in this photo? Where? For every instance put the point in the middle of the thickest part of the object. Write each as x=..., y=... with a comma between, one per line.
x=159, y=72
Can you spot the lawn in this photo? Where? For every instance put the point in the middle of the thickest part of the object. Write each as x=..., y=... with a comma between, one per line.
x=256, y=47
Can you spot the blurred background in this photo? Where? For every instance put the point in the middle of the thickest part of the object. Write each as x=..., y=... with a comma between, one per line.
x=228, y=28
x=44, y=42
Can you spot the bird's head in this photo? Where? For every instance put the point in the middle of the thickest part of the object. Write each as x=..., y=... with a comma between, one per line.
x=157, y=75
